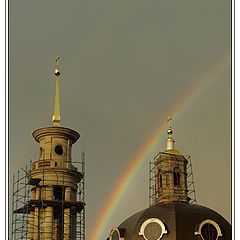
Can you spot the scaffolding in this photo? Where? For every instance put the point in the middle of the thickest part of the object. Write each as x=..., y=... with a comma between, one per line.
x=51, y=212
x=164, y=181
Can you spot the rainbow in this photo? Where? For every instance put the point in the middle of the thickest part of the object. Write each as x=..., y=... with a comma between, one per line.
x=110, y=206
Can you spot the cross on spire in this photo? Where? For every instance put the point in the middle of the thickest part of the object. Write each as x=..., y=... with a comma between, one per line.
x=169, y=121
x=57, y=60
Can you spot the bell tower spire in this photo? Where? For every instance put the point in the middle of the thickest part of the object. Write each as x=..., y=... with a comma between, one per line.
x=56, y=116
x=171, y=173
x=170, y=140
x=55, y=180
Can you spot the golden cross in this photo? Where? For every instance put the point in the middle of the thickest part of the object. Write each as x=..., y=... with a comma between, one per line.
x=57, y=61
x=169, y=121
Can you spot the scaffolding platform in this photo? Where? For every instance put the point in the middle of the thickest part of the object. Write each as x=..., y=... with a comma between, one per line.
x=63, y=210
x=30, y=206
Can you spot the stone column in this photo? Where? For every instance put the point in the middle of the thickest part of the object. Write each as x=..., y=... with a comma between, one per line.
x=33, y=193
x=48, y=230
x=31, y=225
x=36, y=226
x=55, y=229
x=66, y=224
x=73, y=216
x=67, y=193
x=31, y=217
x=49, y=193
x=67, y=215
x=41, y=222
x=37, y=194
x=36, y=216
x=48, y=220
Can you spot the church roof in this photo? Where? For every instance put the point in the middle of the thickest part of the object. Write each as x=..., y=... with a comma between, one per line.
x=172, y=217
x=181, y=221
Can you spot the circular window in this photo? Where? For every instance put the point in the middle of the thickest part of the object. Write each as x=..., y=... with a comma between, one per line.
x=152, y=229
x=59, y=150
x=209, y=232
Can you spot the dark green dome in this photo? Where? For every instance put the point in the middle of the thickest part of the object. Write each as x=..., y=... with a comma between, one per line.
x=176, y=221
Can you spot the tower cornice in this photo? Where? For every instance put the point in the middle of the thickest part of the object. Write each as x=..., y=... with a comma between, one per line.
x=66, y=133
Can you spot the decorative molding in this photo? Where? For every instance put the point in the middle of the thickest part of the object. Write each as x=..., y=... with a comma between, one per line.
x=151, y=220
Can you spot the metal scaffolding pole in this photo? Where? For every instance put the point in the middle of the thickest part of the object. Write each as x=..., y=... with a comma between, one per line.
x=163, y=178
x=39, y=212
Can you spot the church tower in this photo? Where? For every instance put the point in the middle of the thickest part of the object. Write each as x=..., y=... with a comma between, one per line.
x=173, y=213
x=171, y=173
x=54, y=211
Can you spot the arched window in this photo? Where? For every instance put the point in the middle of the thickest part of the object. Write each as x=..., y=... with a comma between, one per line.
x=160, y=180
x=209, y=230
x=176, y=177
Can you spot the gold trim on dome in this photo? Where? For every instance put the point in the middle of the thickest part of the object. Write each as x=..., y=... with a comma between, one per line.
x=173, y=151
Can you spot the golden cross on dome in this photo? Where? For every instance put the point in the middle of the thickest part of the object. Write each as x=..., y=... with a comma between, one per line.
x=57, y=61
x=169, y=121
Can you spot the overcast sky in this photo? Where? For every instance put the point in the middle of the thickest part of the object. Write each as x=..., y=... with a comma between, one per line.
x=125, y=64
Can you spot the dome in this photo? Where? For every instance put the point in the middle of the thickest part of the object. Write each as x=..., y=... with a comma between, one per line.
x=173, y=151
x=175, y=221
x=174, y=216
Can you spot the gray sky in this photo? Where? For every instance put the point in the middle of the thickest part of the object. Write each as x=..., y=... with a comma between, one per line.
x=125, y=64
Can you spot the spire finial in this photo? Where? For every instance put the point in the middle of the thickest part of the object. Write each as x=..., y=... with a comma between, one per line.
x=169, y=121
x=170, y=131
x=56, y=116
x=170, y=140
